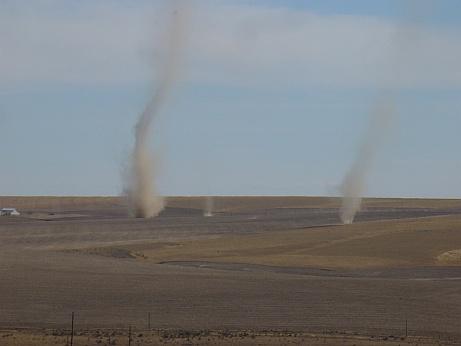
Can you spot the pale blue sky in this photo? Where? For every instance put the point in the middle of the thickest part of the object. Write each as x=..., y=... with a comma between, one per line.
x=274, y=96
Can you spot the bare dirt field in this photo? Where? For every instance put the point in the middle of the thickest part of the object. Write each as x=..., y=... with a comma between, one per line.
x=279, y=264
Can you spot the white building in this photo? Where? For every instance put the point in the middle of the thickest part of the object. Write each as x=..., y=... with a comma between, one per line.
x=9, y=212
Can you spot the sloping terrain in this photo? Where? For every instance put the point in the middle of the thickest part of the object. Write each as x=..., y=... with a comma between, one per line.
x=430, y=241
x=258, y=264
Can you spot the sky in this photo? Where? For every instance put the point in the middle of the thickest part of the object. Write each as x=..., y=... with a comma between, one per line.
x=273, y=97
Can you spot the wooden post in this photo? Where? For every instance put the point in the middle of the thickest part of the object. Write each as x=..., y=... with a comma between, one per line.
x=406, y=328
x=72, y=331
x=148, y=321
x=129, y=336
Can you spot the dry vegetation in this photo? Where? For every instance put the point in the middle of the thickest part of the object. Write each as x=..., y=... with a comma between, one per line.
x=181, y=337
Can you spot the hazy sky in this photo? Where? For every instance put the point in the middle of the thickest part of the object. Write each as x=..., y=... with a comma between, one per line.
x=273, y=97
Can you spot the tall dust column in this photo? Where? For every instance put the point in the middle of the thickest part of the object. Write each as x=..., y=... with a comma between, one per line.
x=143, y=198
x=353, y=185
x=209, y=206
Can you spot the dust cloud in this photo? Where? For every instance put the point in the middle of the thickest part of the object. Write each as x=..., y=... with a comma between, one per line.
x=406, y=34
x=141, y=191
x=353, y=186
x=209, y=206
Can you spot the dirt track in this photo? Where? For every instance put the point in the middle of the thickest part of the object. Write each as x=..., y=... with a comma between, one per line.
x=417, y=273
x=43, y=278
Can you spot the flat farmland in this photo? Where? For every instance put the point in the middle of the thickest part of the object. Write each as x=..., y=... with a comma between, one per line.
x=259, y=264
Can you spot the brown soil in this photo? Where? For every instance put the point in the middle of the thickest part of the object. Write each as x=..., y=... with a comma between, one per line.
x=259, y=264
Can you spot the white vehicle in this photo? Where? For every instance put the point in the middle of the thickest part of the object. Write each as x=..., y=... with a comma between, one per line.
x=9, y=212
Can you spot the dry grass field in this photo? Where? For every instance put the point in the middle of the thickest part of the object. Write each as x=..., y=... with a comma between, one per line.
x=261, y=263
x=226, y=338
